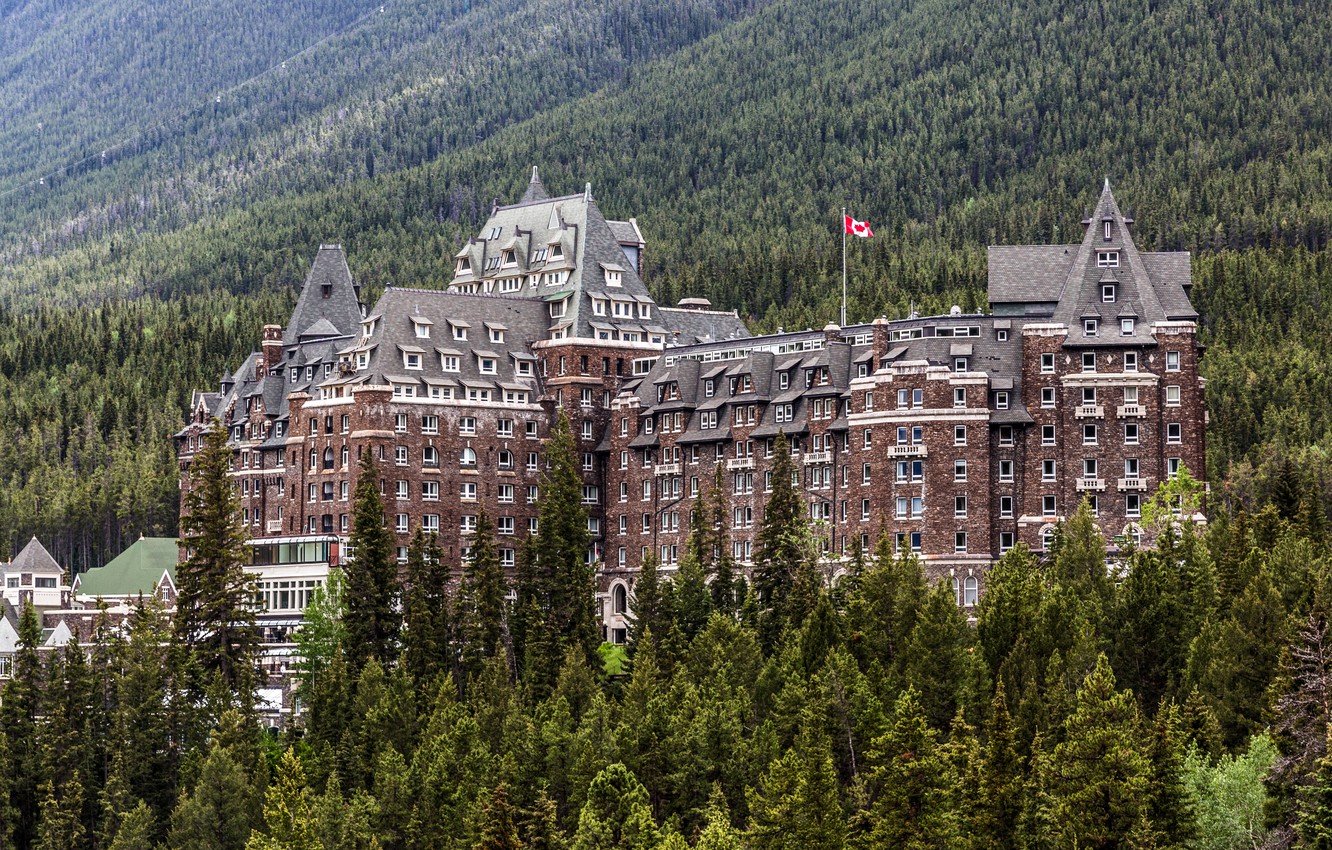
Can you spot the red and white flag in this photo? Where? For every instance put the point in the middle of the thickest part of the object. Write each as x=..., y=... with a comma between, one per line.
x=858, y=228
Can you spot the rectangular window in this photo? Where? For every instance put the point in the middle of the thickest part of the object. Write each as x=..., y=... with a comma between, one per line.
x=1006, y=507
x=1130, y=433
x=1172, y=396
x=430, y=491
x=1107, y=259
x=1047, y=363
x=1172, y=467
x=1089, y=434
x=959, y=435
x=1005, y=541
x=467, y=426
x=1005, y=435
x=1047, y=435
x=1108, y=293
x=1088, y=361
x=959, y=506
x=960, y=542
x=1005, y=471
x=1130, y=467
x=1126, y=327
x=1089, y=467
x=1172, y=361
x=1001, y=401
x=1174, y=433
x=1130, y=361
x=1047, y=470
x=1089, y=326
x=1047, y=397
x=959, y=470
x=1048, y=506
x=959, y=397
x=1132, y=505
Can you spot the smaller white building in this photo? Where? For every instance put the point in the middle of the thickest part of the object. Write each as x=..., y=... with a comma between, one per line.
x=34, y=577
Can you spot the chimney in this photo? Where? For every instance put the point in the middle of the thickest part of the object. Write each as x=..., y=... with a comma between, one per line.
x=881, y=338
x=832, y=332
x=272, y=347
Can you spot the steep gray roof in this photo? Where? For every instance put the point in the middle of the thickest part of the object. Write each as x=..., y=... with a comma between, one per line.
x=328, y=295
x=523, y=321
x=589, y=255
x=34, y=558
x=1028, y=273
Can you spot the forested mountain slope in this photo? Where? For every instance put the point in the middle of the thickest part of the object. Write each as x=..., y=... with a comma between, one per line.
x=949, y=125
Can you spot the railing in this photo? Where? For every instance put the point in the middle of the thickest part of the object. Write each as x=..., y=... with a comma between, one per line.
x=913, y=450
x=1127, y=411
x=1134, y=483
x=740, y=463
x=1097, y=484
x=1089, y=411
x=667, y=469
x=273, y=526
x=818, y=457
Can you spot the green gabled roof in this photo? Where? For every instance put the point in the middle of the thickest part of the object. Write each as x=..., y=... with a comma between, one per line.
x=136, y=570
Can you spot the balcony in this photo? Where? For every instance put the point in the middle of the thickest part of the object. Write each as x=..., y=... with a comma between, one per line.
x=1130, y=411
x=740, y=463
x=273, y=526
x=1132, y=484
x=1091, y=484
x=666, y=469
x=913, y=450
x=1089, y=411
x=818, y=457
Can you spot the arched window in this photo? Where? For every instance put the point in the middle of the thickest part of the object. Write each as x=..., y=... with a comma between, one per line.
x=345, y=456
x=430, y=456
x=619, y=600
x=957, y=589
x=314, y=458
x=1134, y=532
x=468, y=457
x=328, y=458
x=970, y=591
x=1047, y=536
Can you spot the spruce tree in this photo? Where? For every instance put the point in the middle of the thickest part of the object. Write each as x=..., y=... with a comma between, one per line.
x=726, y=582
x=1098, y=778
x=426, y=624
x=20, y=709
x=481, y=606
x=883, y=608
x=616, y=815
x=371, y=578
x=215, y=815
x=214, y=605
x=937, y=655
x=648, y=611
x=498, y=828
x=288, y=811
x=795, y=805
x=780, y=545
x=557, y=593
x=999, y=798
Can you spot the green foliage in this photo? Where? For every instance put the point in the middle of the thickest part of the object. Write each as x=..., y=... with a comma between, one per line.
x=1229, y=795
x=372, y=620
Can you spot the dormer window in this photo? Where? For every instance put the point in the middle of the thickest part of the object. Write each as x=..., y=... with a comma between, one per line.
x=326, y=290
x=1107, y=229
x=598, y=307
x=449, y=363
x=411, y=359
x=362, y=359
x=709, y=388
x=1108, y=293
x=556, y=251
x=464, y=266
x=368, y=326
x=1107, y=259
x=487, y=365
x=494, y=233
x=558, y=308
x=459, y=331
x=422, y=328
x=523, y=368
x=623, y=309
x=1089, y=326
x=784, y=380
x=1126, y=327
x=508, y=258
x=492, y=263
x=539, y=255
x=614, y=278
x=644, y=311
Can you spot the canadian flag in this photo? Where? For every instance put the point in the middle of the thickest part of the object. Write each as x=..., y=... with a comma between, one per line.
x=858, y=228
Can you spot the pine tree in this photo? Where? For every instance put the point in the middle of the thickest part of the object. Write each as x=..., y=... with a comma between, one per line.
x=214, y=612
x=648, y=611
x=556, y=594
x=540, y=826
x=288, y=811
x=150, y=722
x=216, y=815
x=1170, y=808
x=616, y=815
x=1010, y=608
x=780, y=546
x=937, y=654
x=426, y=623
x=1097, y=780
x=883, y=608
x=481, y=606
x=136, y=829
x=1077, y=563
x=498, y=829
x=19, y=711
x=795, y=805
x=726, y=583
x=371, y=578
x=691, y=600
x=999, y=800
x=915, y=784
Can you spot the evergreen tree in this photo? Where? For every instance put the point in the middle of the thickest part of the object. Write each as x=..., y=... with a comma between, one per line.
x=725, y=581
x=915, y=783
x=371, y=578
x=883, y=608
x=691, y=601
x=795, y=805
x=1098, y=779
x=648, y=609
x=498, y=829
x=216, y=815
x=780, y=546
x=19, y=711
x=1077, y=563
x=481, y=605
x=1151, y=627
x=214, y=612
x=616, y=815
x=540, y=827
x=1010, y=608
x=999, y=800
x=937, y=654
x=136, y=829
x=288, y=811
x=1170, y=809
x=426, y=626
x=556, y=589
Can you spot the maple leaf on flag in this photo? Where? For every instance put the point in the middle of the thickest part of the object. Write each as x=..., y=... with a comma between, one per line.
x=858, y=228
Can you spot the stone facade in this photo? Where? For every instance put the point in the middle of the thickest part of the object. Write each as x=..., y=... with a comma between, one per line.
x=958, y=436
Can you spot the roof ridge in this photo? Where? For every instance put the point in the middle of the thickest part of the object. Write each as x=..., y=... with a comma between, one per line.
x=459, y=294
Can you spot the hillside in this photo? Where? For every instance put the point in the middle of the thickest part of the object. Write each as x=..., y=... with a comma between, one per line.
x=734, y=132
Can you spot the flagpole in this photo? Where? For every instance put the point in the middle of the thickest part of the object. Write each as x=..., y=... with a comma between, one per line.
x=843, y=266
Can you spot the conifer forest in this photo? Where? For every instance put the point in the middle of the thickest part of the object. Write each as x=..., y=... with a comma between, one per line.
x=167, y=172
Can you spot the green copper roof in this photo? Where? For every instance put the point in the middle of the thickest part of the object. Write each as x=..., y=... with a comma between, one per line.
x=136, y=570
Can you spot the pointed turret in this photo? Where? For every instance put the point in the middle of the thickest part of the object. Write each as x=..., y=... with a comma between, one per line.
x=329, y=294
x=535, y=190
